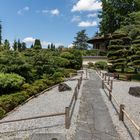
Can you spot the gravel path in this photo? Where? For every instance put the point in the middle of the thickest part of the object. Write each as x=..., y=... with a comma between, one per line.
x=94, y=121
x=50, y=102
x=132, y=106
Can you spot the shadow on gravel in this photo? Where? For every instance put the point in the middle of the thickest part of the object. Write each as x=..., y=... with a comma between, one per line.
x=29, y=129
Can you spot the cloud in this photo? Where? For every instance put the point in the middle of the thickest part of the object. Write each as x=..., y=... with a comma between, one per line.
x=23, y=10
x=76, y=18
x=29, y=40
x=70, y=46
x=87, y=24
x=55, y=12
x=92, y=15
x=87, y=5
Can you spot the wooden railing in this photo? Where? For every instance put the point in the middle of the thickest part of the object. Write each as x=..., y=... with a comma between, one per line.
x=68, y=110
x=107, y=83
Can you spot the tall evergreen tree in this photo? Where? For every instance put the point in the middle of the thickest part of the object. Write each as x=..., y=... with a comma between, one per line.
x=81, y=40
x=23, y=46
x=15, y=45
x=19, y=45
x=37, y=44
x=0, y=33
x=6, y=44
x=114, y=13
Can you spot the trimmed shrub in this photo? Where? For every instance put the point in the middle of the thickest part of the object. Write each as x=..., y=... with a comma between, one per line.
x=58, y=77
x=10, y=82
x=90, y=64
x=101, y=65
x=2, y=112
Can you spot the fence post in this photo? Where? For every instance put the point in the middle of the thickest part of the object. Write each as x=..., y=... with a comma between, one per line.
x=121, y=114
x=105, y=77
x=102, y=84
x=86, y=73
x=111, y=85
x=75, y=93
x=110, y=96
x=67, y=119
x=78, y=83
x=108, y=80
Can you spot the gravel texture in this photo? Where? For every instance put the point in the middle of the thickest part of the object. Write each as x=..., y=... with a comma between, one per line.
x=50, y=102
x=132, y=106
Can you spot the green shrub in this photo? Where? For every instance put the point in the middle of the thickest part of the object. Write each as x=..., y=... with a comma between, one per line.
x=10, y=82
x=101, y=65
x=68, y=71
x=90, y=64
x=58, y=77
x=2, y=112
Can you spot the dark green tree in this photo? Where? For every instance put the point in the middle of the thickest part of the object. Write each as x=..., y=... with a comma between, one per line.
x=114, y=12
x=23, y=46
x=81, y=40
x=15, y=45
x=37, y=44
x=118, y=50
x=6, y=44
x=0, y=33
x=19, y=46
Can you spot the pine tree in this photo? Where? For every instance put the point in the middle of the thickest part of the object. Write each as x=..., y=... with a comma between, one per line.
x=81, y=40
x=6, y=44
x=118, y=50
x=23, y=46
x=0, y=33
x=37, y=44
x=15, y=45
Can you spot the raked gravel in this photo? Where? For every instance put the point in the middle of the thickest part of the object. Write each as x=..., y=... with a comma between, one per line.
x=50, y=102
x=132, y=106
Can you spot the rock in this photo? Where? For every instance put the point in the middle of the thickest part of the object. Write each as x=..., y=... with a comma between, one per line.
x=135, y=91
x=63, y=87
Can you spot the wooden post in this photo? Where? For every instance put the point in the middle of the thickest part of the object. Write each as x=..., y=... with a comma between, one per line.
x=102, y=84
x=108, y=80
x=121, y=115
x=78, y=83
x=105, y=77
x=111, y=85
x=86, y=73
x=110, y=96
x=67, y=119
x=75, y=93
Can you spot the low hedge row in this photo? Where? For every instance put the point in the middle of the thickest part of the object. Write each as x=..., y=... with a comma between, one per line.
x=9, y=101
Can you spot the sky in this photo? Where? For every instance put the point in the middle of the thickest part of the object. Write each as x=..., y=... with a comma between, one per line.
x=51, y=21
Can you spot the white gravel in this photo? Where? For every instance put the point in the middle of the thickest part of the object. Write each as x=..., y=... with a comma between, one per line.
x=132, y=106
x=50, y=102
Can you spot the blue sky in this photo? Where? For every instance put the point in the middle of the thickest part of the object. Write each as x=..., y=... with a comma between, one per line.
x=55, y=21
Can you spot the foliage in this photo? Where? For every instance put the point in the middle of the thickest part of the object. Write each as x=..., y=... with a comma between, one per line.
x=0, y=33
x=10, y=82
x=81, y=40
x=37, y=44
x=90, y=65
x=114, y=13
x=2, y=112
x=6, y=44
x=101, y=65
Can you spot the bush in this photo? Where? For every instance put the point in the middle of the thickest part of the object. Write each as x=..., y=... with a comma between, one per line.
x=101, y=65
x=68, y=71
x=10, y=82
x=90, y=64
x=58, y=77
x=2, y=112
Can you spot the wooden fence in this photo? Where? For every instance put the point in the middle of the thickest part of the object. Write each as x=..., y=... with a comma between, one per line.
x=107, y=83
x=68, y=110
